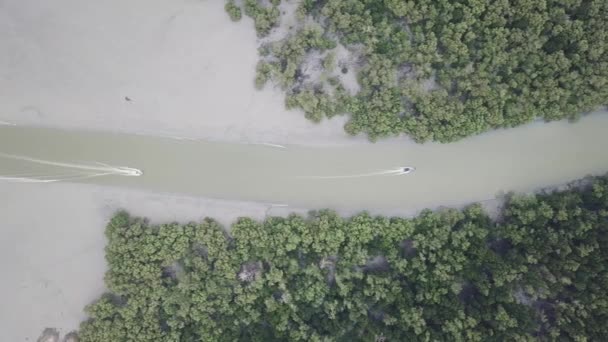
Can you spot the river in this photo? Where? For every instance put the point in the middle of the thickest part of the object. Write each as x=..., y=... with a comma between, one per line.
x=475, y=169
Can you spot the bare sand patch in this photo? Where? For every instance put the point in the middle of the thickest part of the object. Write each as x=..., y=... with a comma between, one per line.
x=53, y=242
x=174, y=68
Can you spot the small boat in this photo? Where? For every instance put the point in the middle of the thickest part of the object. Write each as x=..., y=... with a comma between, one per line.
x=407, y=169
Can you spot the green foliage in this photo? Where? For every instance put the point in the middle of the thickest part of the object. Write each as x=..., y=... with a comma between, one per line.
x=234, y=11
x=264, y=72
x=539, y=273
x=315, y=103
x=287, y=57
x=265, y=18
x=329, y=63
x=492, y=64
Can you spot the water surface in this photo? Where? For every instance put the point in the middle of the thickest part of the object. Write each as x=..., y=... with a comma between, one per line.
x=478, y=168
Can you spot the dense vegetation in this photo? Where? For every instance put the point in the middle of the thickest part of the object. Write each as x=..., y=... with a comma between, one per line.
x=437, y=69
x=540, y=272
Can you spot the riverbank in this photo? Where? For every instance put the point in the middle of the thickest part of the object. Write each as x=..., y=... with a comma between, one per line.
x=53, y=246
x=57, y=255
x=53, y=236
x=177, y=69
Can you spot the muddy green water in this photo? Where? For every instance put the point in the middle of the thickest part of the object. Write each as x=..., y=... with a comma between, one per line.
x=475, y=169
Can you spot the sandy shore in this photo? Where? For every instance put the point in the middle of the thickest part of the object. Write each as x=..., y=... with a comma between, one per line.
x=173, y=68
x=53, y=243
x=52, y=246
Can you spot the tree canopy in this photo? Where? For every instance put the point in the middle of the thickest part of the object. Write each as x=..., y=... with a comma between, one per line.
x=443, y=70
x=538, y=272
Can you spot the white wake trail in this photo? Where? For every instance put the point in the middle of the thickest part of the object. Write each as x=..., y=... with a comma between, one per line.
x=120, y=170
x=56, y=178
x=33, y=175
x=25, y=180
x=394, y=172
x=270, y=145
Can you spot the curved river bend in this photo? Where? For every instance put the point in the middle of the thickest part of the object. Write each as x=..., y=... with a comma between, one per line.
x=340, y=177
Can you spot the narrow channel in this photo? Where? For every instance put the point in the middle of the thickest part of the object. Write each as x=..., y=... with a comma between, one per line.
x=521, y=159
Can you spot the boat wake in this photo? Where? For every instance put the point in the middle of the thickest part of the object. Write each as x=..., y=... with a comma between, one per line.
x=403, y=170
x=270, y=145
x=48, y=178
x=86, y=171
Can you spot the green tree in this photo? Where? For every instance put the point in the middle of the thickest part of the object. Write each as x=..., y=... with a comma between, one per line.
x=540, y=272
x=233, y=10
x=445, y=70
